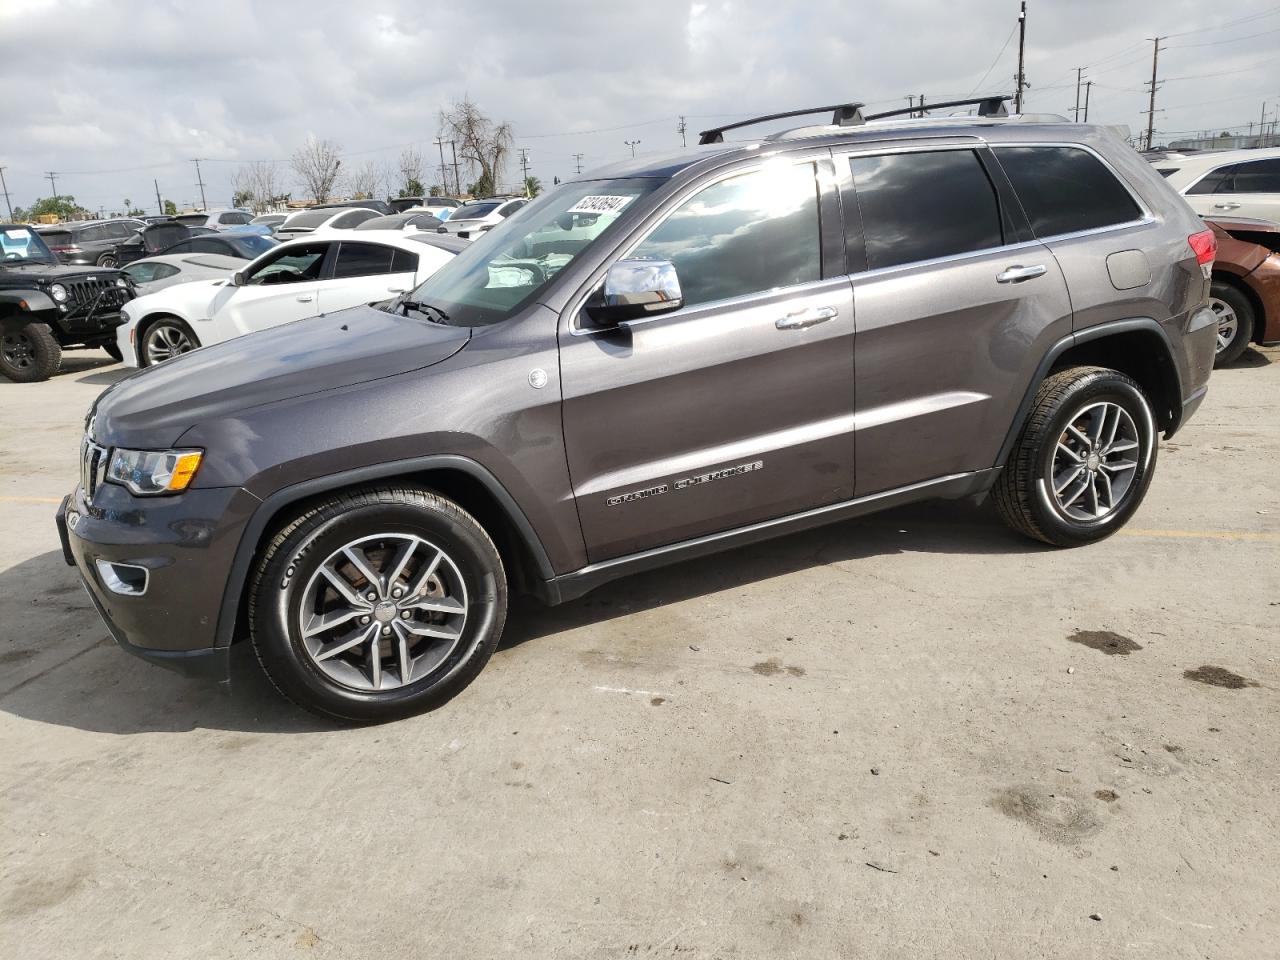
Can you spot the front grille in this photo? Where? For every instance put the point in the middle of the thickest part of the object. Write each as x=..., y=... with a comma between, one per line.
x=93, y=466
x=85, y=291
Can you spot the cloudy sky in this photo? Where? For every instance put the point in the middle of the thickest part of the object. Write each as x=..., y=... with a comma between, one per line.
x=111, y=94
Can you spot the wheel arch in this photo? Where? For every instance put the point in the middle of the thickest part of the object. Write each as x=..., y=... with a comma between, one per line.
x=1138, y=347
x=461, y=479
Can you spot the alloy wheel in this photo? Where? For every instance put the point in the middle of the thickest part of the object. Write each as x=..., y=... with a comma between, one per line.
x=1094, y=462
x=383, y=611
x=1228, y=322
x=18, y=350
x=165, y=341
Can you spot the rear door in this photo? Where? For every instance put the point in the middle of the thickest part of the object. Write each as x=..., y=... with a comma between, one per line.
x=737, y=407
x=955, y=306
x=366, y=273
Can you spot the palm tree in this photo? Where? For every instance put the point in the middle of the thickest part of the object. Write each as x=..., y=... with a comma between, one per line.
x=532, y=186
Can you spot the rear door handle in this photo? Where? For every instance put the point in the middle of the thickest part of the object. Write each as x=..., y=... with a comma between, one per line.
x=806, y=318
x=1019, y=273
x=305, y=298
x=1225, y=206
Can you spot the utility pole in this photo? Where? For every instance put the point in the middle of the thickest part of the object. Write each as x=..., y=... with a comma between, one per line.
x=680, y=128
x=921, y=105
x=53, y=184
x=1079, y=70
x=524, y=166
x=1151, y=104
x=911, y=104
x=200, y=182
x=444, y=171
x=159, y=202
x=577, y=158
x=632, y=145
x=1022, y=42
x=4, y=186
x=1088, y=85
x=457, y=177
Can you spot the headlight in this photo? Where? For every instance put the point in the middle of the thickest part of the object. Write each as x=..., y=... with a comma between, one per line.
x=58, y=292
x=121, y=282
x=150, y=472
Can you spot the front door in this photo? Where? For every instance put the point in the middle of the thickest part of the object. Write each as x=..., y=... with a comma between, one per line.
x=280, y=287
x=735, y=408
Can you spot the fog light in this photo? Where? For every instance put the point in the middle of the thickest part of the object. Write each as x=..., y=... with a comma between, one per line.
x=126, y=579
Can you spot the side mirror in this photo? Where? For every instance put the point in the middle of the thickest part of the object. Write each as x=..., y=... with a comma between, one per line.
x=635, y=289
x=237, y=279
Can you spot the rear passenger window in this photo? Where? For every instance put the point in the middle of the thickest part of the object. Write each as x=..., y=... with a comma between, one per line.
x=1258, y=176
x=362, y=260
x=1066, y=189
x=747, y=234
x=402, y=261
x=920, y=206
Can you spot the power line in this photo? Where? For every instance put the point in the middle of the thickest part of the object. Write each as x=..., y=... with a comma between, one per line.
x=1230, y=23
x=1214, y=43
x=1004, y=46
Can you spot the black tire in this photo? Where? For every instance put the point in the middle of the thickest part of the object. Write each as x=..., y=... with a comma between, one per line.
x=112, y=350
x=29, y=352
x=1228, y=294
x=294, y=556
x=1023, y=493
x=107, y=260
x=161, y=330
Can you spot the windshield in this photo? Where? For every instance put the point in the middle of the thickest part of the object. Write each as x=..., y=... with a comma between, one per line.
x=474, y=211
x=22, y=245
x=510, y=265
x=312, y=218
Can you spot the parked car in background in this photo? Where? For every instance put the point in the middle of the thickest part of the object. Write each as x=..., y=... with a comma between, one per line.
x=47, y=307
x=402, y=221
x=356, y=495
x=90, y=242
x=1231, y=183
x=323, y=218
x=271, y=220
x=243, y=246
x=157, y=219
x=297, y=279
x=476, y=216
x=1246, y=284
x=381, y=206
x=434, y=205
x=215, y=219
x=156, y=273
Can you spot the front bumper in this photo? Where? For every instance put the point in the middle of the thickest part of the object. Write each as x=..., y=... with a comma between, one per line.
x=186, y=543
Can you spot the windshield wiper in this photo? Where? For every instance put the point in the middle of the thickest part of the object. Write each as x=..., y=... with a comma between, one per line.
x=433, y=314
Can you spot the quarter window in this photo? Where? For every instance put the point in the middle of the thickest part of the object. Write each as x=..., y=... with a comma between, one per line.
x=1258, y=176
x=403, y=261
x=1066, y=189
x=744, y=235
x=921, y=206
x=362, y=260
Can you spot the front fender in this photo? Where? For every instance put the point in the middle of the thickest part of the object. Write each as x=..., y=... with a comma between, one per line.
x=35, y=301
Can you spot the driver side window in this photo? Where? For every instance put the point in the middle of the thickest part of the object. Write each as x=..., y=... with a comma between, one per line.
x=298, y=264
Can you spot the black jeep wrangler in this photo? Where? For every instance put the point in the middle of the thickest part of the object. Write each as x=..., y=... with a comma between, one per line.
x=47, y=307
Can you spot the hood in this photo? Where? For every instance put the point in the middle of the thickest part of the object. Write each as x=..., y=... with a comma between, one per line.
x=155, y=406
x=26, y=273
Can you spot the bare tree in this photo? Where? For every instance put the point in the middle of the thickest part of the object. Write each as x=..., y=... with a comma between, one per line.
x=364, y=182
x=410, y=171
x=317, y=163
x=258, y=185
x=483, y=144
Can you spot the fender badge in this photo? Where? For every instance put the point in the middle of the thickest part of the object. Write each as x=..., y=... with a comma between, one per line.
x=538, y=378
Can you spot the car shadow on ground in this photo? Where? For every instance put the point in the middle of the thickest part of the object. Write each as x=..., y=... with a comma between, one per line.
x=58, y=666
x=1252, y=357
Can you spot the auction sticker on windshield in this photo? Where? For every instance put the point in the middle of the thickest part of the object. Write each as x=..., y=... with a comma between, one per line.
x=597, y=203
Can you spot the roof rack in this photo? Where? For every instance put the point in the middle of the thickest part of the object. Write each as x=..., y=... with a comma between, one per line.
x=987, y=107
x=843, y=115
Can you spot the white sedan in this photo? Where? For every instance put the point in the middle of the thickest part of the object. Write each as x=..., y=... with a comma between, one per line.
x=169, y=270
x=295, y=280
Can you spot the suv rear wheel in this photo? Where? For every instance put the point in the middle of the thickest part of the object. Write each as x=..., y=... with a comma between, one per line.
x=29, y=352
x=377, y=604
x=107, y=260
x=1083, y=460
x=1235, y=321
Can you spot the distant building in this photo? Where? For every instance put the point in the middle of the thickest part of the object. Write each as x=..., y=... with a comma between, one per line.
x=1236, y=142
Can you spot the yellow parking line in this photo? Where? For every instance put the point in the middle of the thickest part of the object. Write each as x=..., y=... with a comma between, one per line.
x=1204, y=534
x=31, y=499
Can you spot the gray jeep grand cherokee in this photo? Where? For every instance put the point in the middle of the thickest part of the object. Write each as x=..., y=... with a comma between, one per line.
x=657, y=360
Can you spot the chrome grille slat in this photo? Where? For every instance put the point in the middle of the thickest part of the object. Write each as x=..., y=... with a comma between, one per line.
x=93, y=467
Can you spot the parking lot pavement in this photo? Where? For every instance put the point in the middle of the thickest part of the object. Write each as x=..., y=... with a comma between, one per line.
x=914, y=735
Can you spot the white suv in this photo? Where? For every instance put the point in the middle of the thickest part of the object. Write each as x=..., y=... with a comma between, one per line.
x=1239, y=183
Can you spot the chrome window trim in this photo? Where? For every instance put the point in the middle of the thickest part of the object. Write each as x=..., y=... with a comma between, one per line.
x=575, y=310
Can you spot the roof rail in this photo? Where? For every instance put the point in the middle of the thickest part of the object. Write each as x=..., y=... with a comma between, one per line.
x=843, y=115
x=987, y=107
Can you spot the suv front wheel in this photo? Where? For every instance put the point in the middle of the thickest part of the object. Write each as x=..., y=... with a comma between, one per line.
x=377, y=604
x=1084, y=458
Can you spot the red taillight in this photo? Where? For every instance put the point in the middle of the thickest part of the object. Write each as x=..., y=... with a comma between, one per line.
x=1205, y=246
x=69, y=248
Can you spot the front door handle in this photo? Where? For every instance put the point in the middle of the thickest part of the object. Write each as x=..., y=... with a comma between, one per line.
x=305, y=298
x=1019, y=273
x=806, y=318
x=1225, y=206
